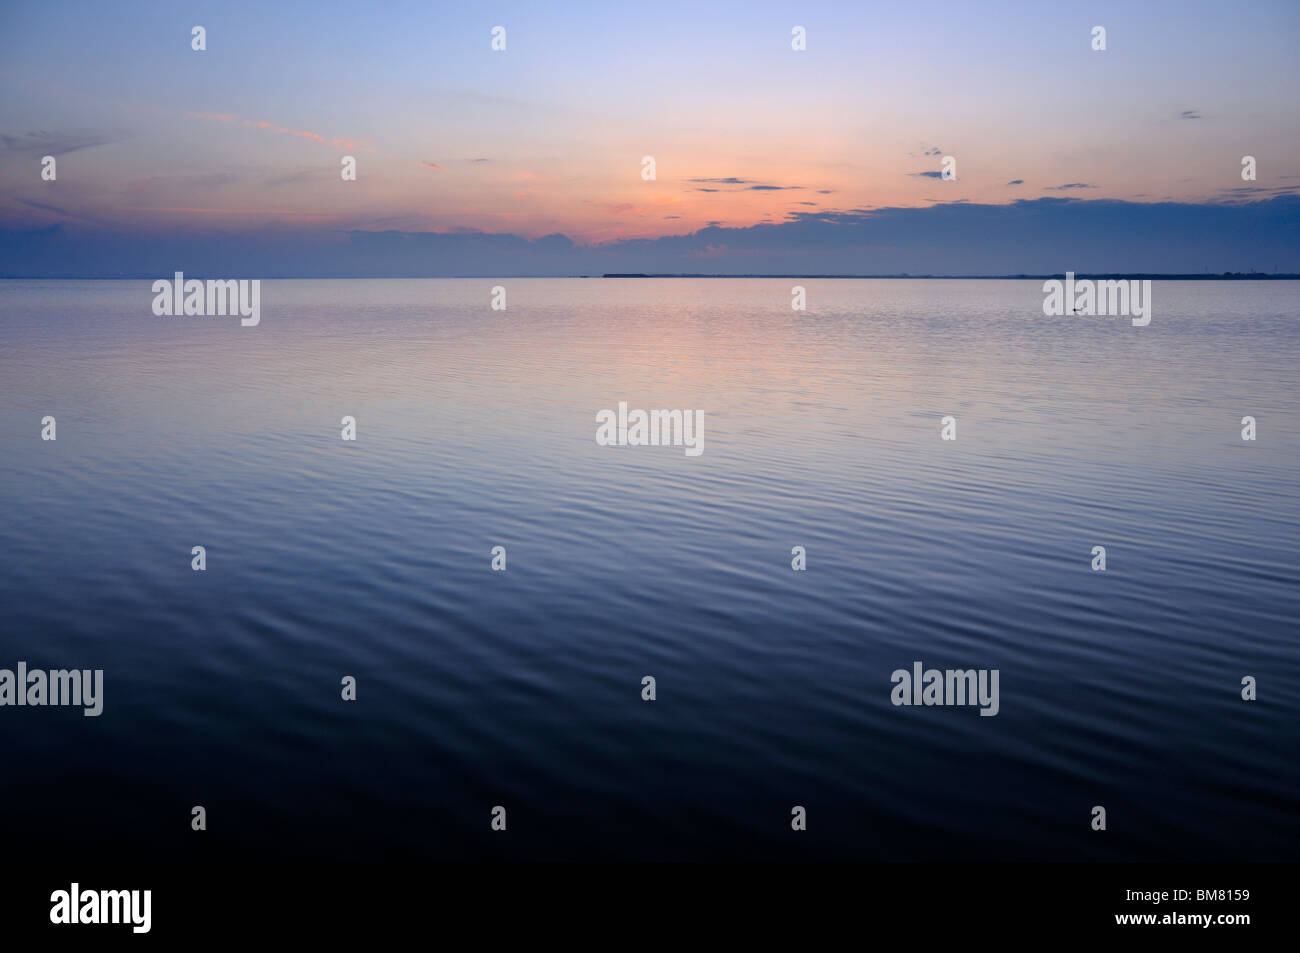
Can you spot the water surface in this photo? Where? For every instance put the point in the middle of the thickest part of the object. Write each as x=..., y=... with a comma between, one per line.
x=523, y=688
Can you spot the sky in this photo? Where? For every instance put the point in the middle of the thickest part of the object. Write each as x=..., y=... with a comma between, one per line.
x=529, y=160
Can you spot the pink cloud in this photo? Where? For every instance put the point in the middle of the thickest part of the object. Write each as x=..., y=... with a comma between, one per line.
x=302, y=134
x=340, y=143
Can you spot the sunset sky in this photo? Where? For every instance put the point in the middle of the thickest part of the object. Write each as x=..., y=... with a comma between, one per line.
x=154, y=139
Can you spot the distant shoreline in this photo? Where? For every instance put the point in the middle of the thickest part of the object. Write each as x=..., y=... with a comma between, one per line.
x=1091, y=275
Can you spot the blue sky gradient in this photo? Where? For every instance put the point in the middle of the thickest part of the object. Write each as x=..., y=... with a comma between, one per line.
x=820, y=161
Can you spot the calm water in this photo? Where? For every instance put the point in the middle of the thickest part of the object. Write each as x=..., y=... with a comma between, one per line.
x=475, y=688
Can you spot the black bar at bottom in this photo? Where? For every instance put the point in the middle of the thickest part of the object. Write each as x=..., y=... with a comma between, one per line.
x=662, y=904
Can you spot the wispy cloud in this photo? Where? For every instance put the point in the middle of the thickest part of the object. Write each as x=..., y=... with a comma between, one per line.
x=301, y=175
x=338, y=142
x=1071, y=185
x=1016, y=182
x=42, y=206
x=1257, y=192
x=1190, y=114
x=432, y=165
x=55, y=143
x=745, y=185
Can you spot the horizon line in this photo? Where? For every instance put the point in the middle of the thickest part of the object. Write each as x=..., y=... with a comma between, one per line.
x=898, y=276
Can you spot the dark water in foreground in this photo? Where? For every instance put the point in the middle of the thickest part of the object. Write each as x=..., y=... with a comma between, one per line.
x=522, y=689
